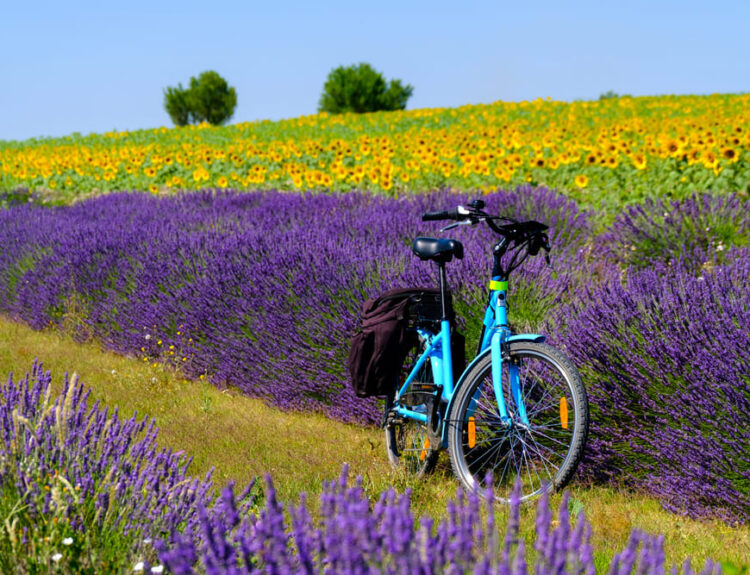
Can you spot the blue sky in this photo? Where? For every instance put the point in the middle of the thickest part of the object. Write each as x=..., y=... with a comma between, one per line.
x=94, y=66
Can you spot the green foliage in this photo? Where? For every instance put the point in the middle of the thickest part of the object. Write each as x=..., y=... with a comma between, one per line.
x=208, y=99
x=612, y=95
x=177, y=106
x=211, y=99
x=359, y=89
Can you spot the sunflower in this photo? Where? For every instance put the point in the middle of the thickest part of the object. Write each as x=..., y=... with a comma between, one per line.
x=710, y=160
x=639, y=161
x=222, y=182
x=673, y=148
x=730, y=154
x=200, y=174
x=582, y=180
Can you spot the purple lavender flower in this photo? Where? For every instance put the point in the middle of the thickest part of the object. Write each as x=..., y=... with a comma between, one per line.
x=352, y=537
x=75, y=466
x=246, y=288
x=696, y=231
x=664, y=358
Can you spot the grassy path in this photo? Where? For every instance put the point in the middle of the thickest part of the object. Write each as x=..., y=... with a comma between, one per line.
x=241, y=438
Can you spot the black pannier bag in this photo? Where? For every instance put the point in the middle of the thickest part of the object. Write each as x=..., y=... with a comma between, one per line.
x=388, y=333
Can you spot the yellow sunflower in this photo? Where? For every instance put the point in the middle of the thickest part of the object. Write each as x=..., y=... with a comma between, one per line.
x=639, y=161
x=730, y=154
x=582, y=180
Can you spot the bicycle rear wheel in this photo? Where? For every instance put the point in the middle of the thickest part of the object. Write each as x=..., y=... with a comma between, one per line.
x=543, y=454
x=407, y=441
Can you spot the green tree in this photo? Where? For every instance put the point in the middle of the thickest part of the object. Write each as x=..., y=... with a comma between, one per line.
x=176, y=104
x=608, y=95
x=359, y=88
x=208, y=99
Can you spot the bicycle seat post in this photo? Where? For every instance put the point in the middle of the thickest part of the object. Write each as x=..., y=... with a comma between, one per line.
x=443, y=290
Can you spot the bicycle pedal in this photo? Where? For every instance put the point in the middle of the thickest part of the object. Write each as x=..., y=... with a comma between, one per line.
x=391, y=418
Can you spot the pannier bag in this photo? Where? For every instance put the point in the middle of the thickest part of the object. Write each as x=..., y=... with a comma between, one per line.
x=378, y=351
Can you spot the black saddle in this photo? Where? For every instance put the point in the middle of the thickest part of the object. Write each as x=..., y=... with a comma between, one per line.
x=439, y=250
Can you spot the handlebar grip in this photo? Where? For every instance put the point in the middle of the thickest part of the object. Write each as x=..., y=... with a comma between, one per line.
x=445, y=215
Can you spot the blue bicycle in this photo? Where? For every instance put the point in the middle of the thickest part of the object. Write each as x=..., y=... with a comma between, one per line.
x=518, y=410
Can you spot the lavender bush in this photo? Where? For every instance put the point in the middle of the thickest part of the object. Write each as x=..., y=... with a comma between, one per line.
x=260, y=291
x=665, y=358
x=352, y=537
x=86, y=492
x=697, y=231
x=83, y=489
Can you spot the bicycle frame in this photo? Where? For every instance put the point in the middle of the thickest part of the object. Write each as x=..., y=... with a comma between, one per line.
x=496, y=334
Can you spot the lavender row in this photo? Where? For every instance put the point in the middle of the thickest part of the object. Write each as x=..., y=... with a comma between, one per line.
x=667, y=352
x=262, y=291
x=356, y=537
x=698, y=231
x=257, y=291
x=86, y=492
x=81, y=483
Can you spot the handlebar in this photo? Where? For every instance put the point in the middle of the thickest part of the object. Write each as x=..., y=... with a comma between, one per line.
x=446, y=215
x=515, y=234
x=474, y=214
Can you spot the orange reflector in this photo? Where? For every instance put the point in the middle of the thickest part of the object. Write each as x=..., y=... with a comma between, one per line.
x=472, y=432
x=564, y=412
x=425, y=447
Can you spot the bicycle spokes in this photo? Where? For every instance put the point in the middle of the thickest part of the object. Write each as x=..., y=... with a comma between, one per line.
x=534, y=442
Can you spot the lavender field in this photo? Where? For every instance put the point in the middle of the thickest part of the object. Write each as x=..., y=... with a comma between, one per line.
x=260, y=291
x=85, y=491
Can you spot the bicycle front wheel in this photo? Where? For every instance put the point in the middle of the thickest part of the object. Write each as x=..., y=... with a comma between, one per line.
x=407, y=441
x=542, y=451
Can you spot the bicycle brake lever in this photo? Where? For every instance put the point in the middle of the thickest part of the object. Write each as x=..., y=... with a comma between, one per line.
x=456, y=224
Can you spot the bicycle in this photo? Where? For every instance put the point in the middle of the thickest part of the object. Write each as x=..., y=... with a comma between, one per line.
x=518, y=410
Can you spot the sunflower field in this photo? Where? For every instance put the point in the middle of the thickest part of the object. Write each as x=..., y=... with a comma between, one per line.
x=617, y=151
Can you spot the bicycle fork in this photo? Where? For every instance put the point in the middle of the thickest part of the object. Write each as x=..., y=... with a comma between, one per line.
x=499, y=334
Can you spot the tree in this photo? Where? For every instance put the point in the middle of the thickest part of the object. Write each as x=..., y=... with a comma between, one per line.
x=359, y=88
x=208, y=99
x=610, y=94
x=176, y=104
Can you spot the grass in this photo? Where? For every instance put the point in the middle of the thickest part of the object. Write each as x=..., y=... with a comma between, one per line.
x=241, y=438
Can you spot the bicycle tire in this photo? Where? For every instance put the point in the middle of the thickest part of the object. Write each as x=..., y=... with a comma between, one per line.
x=407, y=441
x=544, y=454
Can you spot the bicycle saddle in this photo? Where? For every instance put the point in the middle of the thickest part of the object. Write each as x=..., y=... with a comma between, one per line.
x=439, y=250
